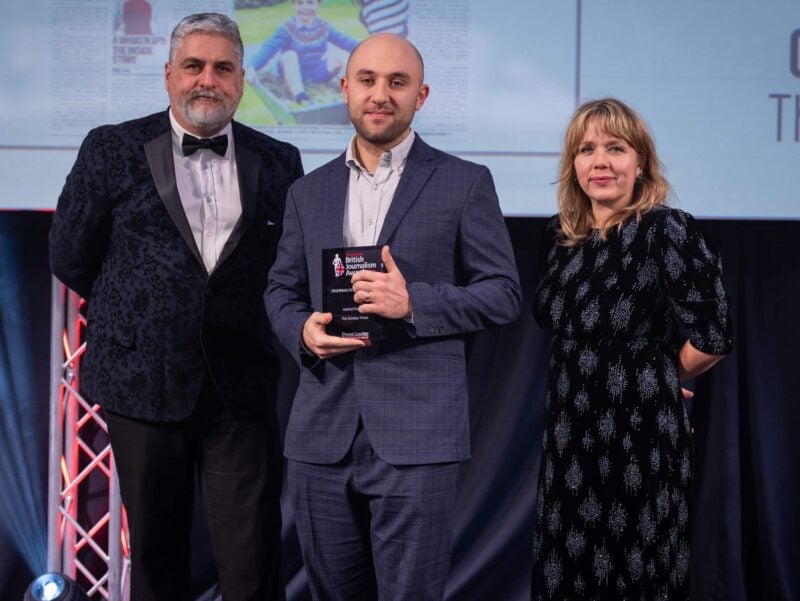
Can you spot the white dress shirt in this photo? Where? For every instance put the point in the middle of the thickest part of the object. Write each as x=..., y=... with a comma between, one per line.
x=208, y=185
x=369, y=195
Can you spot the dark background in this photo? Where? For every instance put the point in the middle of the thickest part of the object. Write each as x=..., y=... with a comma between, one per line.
x=746, y=415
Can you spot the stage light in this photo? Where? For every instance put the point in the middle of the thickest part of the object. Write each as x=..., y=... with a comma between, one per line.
x=24, y=474
x=54, y=587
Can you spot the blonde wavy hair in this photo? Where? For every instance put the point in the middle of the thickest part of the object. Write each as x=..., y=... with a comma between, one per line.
x=574, y=208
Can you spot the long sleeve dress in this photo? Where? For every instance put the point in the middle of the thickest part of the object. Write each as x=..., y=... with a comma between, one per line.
x=613, y=510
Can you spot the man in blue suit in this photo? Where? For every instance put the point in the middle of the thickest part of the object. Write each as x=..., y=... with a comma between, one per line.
x=378, y=429
x=168, y=225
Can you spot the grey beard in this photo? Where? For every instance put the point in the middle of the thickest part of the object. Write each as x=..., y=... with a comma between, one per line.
x=206, y=118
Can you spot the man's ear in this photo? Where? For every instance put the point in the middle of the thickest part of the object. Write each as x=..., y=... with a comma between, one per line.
x=422, y=95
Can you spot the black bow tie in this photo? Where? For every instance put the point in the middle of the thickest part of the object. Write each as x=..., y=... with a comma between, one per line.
x=190, y=144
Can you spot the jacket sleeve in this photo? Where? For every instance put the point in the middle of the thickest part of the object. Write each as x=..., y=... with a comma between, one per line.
x=287, y=297
x=490, y=294
x=82, y=220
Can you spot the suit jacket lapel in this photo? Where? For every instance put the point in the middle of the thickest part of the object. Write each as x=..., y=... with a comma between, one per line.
x=418, y=169
x=162, y=168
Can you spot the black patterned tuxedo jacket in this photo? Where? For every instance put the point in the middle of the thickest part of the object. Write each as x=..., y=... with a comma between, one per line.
x=156, y=319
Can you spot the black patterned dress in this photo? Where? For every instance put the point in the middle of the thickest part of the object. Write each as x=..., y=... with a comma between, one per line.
x=613, y=507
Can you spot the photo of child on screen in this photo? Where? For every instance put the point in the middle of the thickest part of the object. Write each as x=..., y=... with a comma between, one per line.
x=304, y=49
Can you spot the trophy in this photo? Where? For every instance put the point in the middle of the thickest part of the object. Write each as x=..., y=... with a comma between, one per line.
x=338, y=266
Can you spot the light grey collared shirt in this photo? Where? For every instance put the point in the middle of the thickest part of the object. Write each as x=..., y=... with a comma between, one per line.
x=208, y=185
x=369, y=195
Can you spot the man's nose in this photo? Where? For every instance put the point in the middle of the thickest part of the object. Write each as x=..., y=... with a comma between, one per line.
x=208, y=78
x=380, y=92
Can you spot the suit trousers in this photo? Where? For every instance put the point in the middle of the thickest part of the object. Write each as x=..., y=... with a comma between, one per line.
x=372, y=531
x=239, y=469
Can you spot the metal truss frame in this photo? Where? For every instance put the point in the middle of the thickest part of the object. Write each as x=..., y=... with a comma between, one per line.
x=87, y=537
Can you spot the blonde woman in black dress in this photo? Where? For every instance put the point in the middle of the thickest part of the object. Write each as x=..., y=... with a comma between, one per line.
x=631, y=292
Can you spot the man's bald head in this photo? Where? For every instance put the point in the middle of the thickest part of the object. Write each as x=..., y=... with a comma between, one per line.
x=387, y=39
x=383, y=88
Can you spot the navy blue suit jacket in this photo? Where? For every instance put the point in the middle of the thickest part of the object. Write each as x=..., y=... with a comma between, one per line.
x=449, y=240
x=157, y=321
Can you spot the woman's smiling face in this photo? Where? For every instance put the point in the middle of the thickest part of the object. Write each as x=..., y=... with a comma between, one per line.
x=606, y=167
